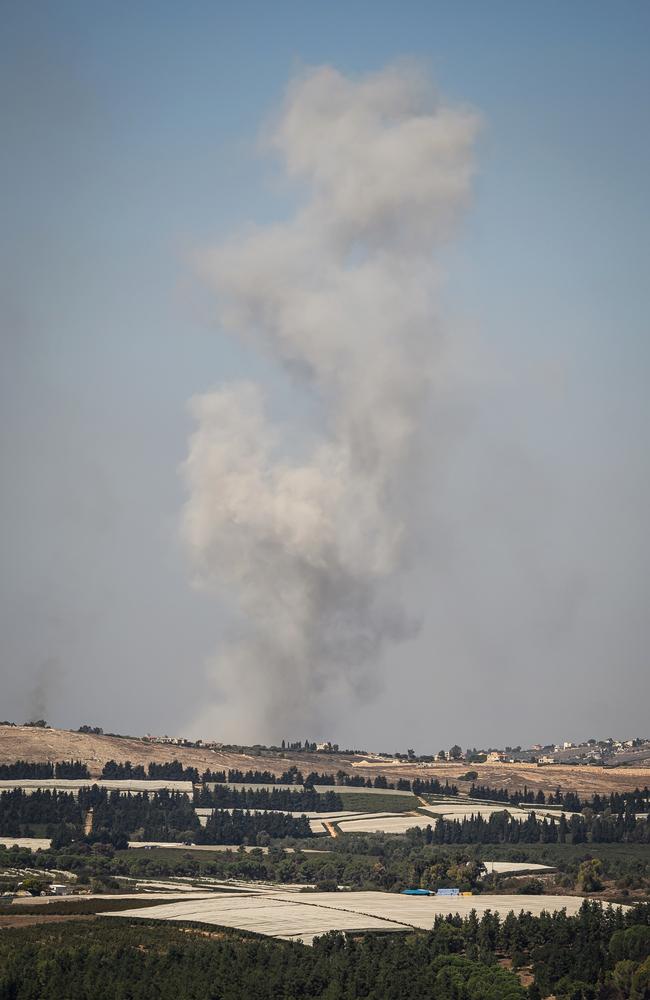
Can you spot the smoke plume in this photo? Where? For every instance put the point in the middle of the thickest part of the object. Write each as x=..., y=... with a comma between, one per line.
x=304, y=528
x=46, y=681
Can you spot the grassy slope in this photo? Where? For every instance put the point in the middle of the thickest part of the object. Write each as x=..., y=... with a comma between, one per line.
x=358, y=802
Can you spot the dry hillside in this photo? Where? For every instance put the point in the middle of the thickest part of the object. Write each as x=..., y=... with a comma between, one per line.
x=28, y=743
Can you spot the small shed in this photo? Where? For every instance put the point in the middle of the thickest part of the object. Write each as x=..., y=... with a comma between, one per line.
x=61, y=889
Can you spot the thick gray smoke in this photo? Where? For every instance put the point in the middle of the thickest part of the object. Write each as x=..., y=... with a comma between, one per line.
x=306, y=531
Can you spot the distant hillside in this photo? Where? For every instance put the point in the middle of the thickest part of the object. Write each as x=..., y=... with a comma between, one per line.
x=34, y=744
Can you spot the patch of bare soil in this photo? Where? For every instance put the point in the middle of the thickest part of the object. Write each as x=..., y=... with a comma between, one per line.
x=525, y=974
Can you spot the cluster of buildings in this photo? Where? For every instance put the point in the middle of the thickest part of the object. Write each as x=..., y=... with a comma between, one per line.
x=605, y=753
x=180, y=741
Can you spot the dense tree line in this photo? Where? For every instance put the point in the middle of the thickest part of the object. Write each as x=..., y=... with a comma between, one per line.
x=238, y=827
x=20, y=810
x=74, y=769
x=291, y=777
x=419, y=786
x=359, y=861
x=617, y=802
x=164, y=816
x=227, y=797
x=597, y=955
x=88, y=861
x=116, y=818
x=24, y=769
x=209, y=775
x=157, y=962
x=172, y=770
x=500, y=828
x=431, y=786
x=256, y=777
x=586, y=957
x=124, y=771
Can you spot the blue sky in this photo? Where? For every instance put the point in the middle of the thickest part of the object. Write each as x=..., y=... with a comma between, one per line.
x=130, y=143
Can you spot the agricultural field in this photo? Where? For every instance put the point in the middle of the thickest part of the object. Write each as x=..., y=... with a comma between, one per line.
x=382, y=823
x=423, y=816
x=516, y=868
x=304, y=917
x=380, y=811
x=30, y=843
x=463, y=808
x=286, y=919
x=74, y=785
x=316, y=819
x=379, y=800
x=360, y=789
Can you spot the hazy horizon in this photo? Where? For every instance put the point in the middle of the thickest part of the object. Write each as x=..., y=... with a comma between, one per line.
x=325, y=369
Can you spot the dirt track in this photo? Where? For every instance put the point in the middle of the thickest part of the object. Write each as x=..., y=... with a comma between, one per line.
x=28, y=743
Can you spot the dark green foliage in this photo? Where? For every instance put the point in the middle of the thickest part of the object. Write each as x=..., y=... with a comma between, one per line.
x=633, y=943
x=76, y=906
x=572, y=957
x=531, y=887
x=259, y=778
x=123, y=772
x=419, y=786
x=615, y=802
x=19, y=810
x=500, y=828
x=166, y=816
x=173, y=770
x=239, y=827
x=226, y=797
x=359, y=860
x=24, y=769
x=209, y=775
x=74, y=769
x=115, y=960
